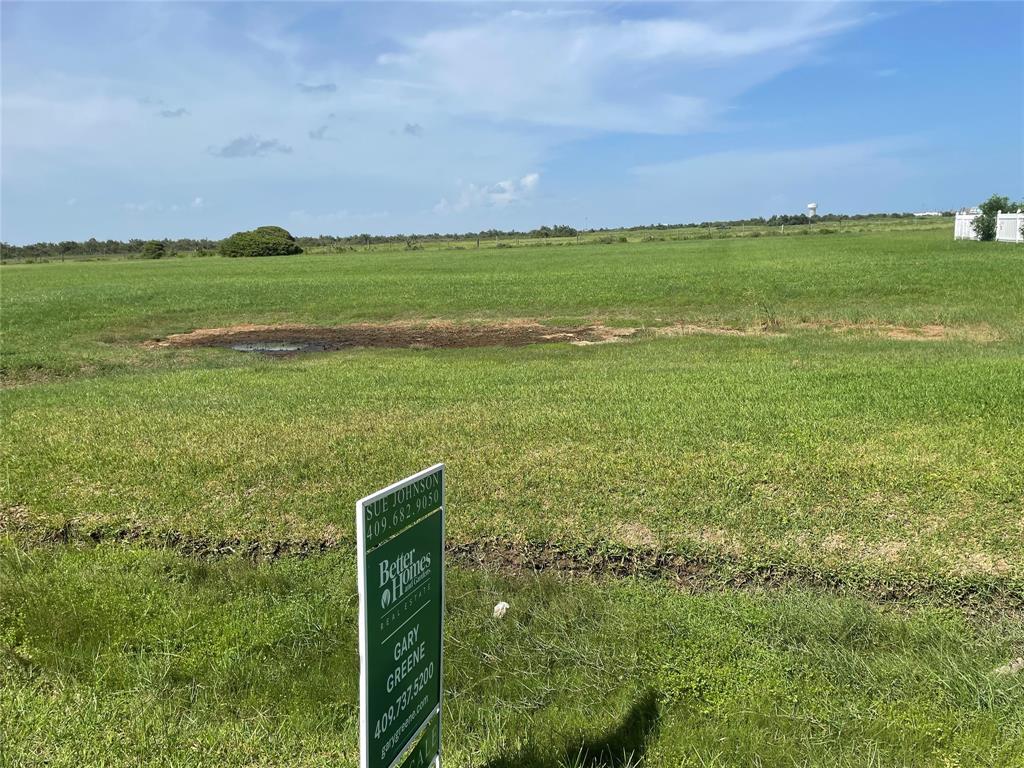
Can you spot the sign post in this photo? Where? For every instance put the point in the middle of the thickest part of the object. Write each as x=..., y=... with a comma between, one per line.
x=400, y=542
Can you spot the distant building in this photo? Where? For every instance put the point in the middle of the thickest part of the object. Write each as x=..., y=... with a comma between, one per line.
x=929, y=213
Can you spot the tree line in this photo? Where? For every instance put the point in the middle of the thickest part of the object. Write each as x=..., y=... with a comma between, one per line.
x=94, y=247
x=204, y=246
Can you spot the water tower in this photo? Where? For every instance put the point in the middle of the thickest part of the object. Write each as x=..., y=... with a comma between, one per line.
x=812, y=210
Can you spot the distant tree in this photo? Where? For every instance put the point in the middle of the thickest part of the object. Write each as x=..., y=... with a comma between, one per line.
x=153, y=249
x=263, y=241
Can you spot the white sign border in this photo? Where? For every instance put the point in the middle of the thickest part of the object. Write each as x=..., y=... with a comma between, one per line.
x=364, y=680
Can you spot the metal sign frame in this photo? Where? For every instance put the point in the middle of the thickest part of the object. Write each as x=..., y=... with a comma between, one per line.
x=361, y=548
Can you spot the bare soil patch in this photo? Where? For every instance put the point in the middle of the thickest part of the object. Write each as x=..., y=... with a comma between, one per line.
x=691, y=572
x=931, y=332
x=291, y=339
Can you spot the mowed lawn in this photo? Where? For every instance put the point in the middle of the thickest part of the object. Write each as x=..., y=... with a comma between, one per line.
x=120, y=656
x=822, y=444
x=83, y=317
x=849, y=453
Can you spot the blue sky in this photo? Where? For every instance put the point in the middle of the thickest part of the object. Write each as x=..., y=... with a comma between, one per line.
x=194, y=119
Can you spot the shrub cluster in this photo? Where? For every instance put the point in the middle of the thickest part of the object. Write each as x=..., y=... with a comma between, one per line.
x=154, y=249
x=985, y=224
x=262, y=241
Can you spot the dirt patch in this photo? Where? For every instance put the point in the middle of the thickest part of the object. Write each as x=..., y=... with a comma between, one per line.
x=13, y=517
x=691, y=572
x=931, y=332
x=291, y=339
x=636, y=535
x=1012, y=668
x=712, y=330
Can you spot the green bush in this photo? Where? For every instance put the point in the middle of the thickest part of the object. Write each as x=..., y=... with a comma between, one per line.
x=985, y=224
x=153, y=249
x=275, y=232
x=262, y=241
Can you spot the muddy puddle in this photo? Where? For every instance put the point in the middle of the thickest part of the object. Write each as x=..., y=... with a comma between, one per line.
x=288, y=340
x=285, y=340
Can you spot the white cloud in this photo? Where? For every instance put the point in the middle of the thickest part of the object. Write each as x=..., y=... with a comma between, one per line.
x=315, y=88
x=145, y=207
x=153, y=206
x=497, y=195
x=594, y=72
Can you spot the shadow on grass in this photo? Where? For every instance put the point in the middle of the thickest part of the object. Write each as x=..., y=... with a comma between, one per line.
x=621, y=747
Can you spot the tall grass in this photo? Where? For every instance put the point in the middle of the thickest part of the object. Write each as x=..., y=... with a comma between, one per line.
x=126, y=657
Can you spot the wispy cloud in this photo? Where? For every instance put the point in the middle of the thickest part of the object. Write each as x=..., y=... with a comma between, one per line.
x=319, y=134
x=496, y=195
x=250, y=146
x=154, y=206
x=571, y=70
x=144, y=207
x=318, y=88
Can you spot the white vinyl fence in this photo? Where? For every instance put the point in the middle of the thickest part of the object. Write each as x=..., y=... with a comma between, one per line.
x=1007, y=227
x=963, y=229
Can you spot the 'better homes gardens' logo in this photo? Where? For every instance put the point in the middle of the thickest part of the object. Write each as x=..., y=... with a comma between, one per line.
x=398, y=576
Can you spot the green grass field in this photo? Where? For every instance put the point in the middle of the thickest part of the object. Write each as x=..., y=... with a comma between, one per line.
x=856, y=452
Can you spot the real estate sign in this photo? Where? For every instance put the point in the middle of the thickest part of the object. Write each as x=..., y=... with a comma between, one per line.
x=400, y=540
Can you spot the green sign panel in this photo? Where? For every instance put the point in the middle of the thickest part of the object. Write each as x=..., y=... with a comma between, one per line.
x=429, y=747
x=401, y=593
